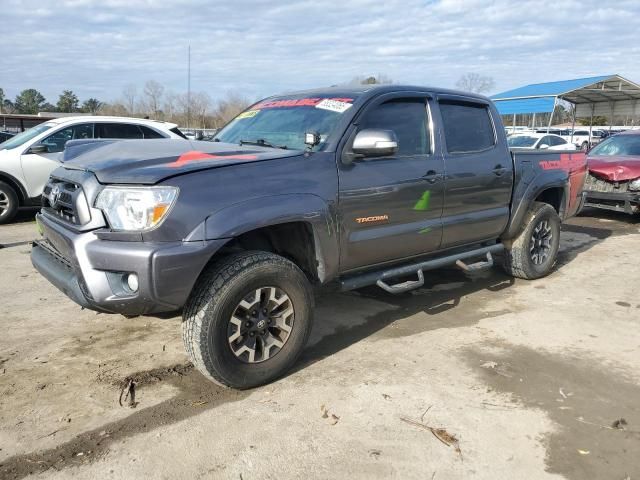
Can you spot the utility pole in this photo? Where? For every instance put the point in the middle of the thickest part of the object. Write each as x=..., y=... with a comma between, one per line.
x=189, y=87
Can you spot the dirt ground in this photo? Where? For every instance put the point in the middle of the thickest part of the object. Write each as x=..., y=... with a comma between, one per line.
x=469, y=377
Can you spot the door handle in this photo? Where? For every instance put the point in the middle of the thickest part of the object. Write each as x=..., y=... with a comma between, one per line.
x=431, y=176
x=499, y=170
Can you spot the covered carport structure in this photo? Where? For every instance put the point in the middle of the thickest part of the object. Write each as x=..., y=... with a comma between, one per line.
x=605, y=95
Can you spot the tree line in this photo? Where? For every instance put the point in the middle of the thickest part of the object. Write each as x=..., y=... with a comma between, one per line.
x=31, y=101
x=194, y=109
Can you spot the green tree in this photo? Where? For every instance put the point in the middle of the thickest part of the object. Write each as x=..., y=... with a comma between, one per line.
x=68, y=102
x=47, y=107
x=1, y=99
x=29, y=101
x=597, y=121
x=91, y=106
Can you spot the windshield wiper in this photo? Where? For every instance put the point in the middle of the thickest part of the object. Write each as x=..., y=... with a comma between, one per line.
x=261, y=142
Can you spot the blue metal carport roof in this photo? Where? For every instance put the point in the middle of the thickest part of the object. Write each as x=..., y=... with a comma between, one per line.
x=540, y=97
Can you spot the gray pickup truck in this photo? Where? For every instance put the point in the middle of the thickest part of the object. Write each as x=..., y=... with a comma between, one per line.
x=348, y=186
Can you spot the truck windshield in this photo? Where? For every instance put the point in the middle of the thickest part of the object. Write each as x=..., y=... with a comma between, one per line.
x=625, y=145
x=283, y=121
x=25, y=136
x=521, y=141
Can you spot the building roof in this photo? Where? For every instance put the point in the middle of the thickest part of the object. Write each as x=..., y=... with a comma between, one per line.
x=549, y=89
x=602, y=94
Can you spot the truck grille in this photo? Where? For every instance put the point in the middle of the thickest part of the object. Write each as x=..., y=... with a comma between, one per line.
x=65, y=200
x=595, y=184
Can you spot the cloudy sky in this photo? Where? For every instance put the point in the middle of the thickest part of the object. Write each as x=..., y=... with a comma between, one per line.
x=260, y=47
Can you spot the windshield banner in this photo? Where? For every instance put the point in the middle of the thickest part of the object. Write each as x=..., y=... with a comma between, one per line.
x=335, y=104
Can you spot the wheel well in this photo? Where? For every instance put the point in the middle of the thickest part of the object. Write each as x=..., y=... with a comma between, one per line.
x=554, y=197
x=16, y=187
x=294, y=241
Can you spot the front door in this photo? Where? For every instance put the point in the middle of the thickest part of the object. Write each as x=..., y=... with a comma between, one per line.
x=391, y=206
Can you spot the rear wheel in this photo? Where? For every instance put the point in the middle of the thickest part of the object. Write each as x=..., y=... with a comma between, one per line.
x=8, y=203
x=533, y=252
x=585, y=146
x=248, y=319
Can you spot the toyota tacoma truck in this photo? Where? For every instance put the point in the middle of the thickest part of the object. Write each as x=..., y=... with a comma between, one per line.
x=343, y=186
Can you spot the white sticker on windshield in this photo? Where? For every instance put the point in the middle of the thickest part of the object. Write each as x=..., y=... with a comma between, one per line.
x=333, y=105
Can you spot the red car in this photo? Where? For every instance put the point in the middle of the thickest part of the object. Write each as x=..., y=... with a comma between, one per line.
x=613, y=182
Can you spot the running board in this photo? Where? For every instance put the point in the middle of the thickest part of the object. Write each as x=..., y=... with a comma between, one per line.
x=380, y=277
x=474, y=267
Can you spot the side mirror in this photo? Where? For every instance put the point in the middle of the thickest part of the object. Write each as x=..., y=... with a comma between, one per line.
x=544, y=146
x=38, y=148
x=375, y=143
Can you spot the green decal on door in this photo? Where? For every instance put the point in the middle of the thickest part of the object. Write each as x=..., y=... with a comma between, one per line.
x=423, y=203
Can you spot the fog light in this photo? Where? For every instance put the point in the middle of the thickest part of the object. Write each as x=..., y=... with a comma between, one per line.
x=132, y=282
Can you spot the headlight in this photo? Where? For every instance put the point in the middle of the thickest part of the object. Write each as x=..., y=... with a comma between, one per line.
x=136, y=208
x=635, y=185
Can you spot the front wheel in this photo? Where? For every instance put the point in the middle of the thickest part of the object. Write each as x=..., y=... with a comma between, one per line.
x=8, y=203
x=248, y=319
x=532, y=254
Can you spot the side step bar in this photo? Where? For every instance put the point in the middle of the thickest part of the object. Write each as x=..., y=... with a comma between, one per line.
x=378, y=277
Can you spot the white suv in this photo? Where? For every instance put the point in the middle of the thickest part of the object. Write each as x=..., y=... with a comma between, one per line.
x=581, y=138
x=27, y=160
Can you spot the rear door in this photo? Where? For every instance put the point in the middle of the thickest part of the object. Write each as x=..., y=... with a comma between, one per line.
x=479, y=173
x=390, y=207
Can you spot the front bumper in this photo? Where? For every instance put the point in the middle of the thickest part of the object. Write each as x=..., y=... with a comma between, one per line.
x=90, y=270
x=627, y=202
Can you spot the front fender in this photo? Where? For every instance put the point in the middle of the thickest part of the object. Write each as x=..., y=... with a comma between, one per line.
x=243, y=217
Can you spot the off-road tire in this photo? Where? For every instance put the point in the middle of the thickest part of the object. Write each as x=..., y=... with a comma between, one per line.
x=517, y=260
x=10, y=203
x=213, y=301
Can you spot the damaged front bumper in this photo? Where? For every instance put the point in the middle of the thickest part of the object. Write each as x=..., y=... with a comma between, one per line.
x=627, y=202
x=611, y=195
x=92, y=272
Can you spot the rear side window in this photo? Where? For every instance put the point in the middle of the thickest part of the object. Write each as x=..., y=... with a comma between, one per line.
x=177, y=132
x=467, y=127
x=117, y=130
x=555, y=141
x=407, y=119
x=149, y=132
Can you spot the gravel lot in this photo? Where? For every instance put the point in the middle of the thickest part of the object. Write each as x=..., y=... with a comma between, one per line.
x=469, y=377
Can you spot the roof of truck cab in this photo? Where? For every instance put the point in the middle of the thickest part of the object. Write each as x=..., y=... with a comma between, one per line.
x=367, y=91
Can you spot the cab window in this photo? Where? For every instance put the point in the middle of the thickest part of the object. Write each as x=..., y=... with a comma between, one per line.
x=408, y=120
x=467, y=126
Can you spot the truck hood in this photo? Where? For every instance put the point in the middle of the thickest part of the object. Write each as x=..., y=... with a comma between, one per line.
x=615, y=169
x=150, y=161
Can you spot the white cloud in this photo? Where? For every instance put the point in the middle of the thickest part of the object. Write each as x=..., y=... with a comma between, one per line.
x=260, y=47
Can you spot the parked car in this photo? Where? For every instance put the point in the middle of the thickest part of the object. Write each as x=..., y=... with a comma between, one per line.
x=351, y=186
x=4, y=136
x=613, y=182
x=582, y=140
x=554, y=131
x=539, y=141
x=27, y=159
